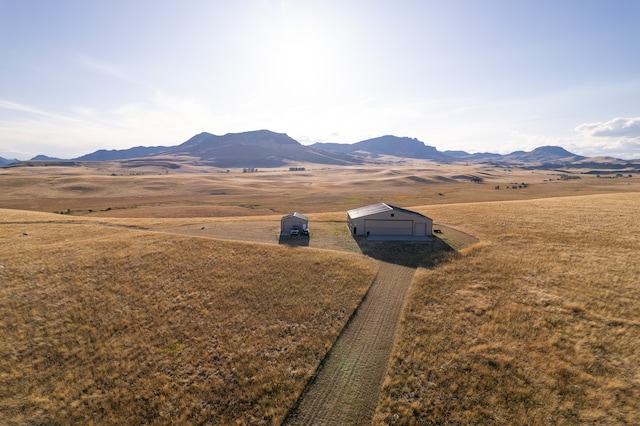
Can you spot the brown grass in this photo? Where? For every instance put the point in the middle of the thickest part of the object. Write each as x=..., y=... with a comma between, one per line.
x=105, y=319
x=538, y=324
x=207, y=192
x=104, y=325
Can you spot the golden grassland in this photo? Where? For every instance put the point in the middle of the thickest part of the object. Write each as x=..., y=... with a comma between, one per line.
x=106, y=325
x=537, y=324
x=83, y=191
x=118, y=311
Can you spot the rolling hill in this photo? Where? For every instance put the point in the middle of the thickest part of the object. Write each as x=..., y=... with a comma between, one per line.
x=5, y=161
x=260, y=148
x=541, y=155
x=545, y=157
x=395, y=146
x=122, y=154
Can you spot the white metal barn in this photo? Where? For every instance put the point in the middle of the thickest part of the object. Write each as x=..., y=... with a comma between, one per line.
x=389, y=222
x=294, y=219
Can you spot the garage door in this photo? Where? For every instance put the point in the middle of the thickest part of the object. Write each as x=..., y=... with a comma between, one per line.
x=388, y=227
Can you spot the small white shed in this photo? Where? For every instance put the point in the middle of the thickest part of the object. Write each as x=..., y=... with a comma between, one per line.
x=389, y=222
x=294, y=219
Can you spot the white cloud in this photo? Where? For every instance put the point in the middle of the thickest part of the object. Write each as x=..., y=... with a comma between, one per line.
x=619, y=148
x=619, y=137
x=616, y=128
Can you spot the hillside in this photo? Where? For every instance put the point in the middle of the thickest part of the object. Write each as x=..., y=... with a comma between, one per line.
x=122, y=154
x=537, y=324
x=267, y=149
x=395, y=146
x=541, y=157
x=261, y=148
x=111, y=321
x=114, y=325
x=130, y=305
x=544, y=154
x=5, y=161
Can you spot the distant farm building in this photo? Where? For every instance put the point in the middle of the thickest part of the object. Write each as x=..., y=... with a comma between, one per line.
x=389, y=222
x=294, y=221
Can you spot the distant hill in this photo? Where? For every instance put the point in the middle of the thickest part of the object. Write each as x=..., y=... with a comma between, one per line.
x=265, y=149
x=413, y=148
x=342, y=148
x=477, y=157
x=4, y=161
x=402, y=147
x=543, y=155
x=260, y=148
x=122, y=154
x=44, y=158
x=546, y=157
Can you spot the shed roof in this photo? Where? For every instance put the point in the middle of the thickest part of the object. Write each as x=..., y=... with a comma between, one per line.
x=296, y=214
x=377, y=208
x=368, y=210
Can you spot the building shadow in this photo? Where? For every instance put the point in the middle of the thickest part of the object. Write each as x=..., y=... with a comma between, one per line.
x=294, y=240
x=413, y=254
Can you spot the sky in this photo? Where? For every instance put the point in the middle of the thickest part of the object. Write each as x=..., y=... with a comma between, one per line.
x=480, y=76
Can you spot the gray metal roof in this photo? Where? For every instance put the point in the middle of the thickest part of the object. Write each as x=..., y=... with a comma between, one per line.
x=296, y=214
x=377, y=208
x=368, y=210
x=407, y=211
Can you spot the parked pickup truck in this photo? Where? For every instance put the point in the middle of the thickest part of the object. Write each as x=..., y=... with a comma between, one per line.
x=295, y=230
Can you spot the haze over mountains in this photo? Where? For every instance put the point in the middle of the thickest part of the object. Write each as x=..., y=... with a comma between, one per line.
x=265, y=149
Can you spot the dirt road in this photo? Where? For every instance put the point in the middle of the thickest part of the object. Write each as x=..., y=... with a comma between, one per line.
x=345, y=391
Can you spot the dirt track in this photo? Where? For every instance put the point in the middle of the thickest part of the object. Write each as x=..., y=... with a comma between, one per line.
x=345, y=391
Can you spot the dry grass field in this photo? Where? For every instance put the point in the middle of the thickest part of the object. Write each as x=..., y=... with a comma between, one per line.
x=146, y=193
x=539, y=323
x=130, y=304
x=106, y=325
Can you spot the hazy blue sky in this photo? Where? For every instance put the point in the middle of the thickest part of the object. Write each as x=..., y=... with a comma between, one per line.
x=475, y=75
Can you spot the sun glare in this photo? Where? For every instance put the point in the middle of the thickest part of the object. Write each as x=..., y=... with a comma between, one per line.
x=301, y=60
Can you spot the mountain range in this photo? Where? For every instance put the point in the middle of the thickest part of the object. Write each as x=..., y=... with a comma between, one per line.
x=265, y=149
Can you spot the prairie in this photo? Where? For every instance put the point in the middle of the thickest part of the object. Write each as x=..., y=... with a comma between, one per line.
x=536, y=324
x=111, y=192
x=164, y=298
x=107, y=325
